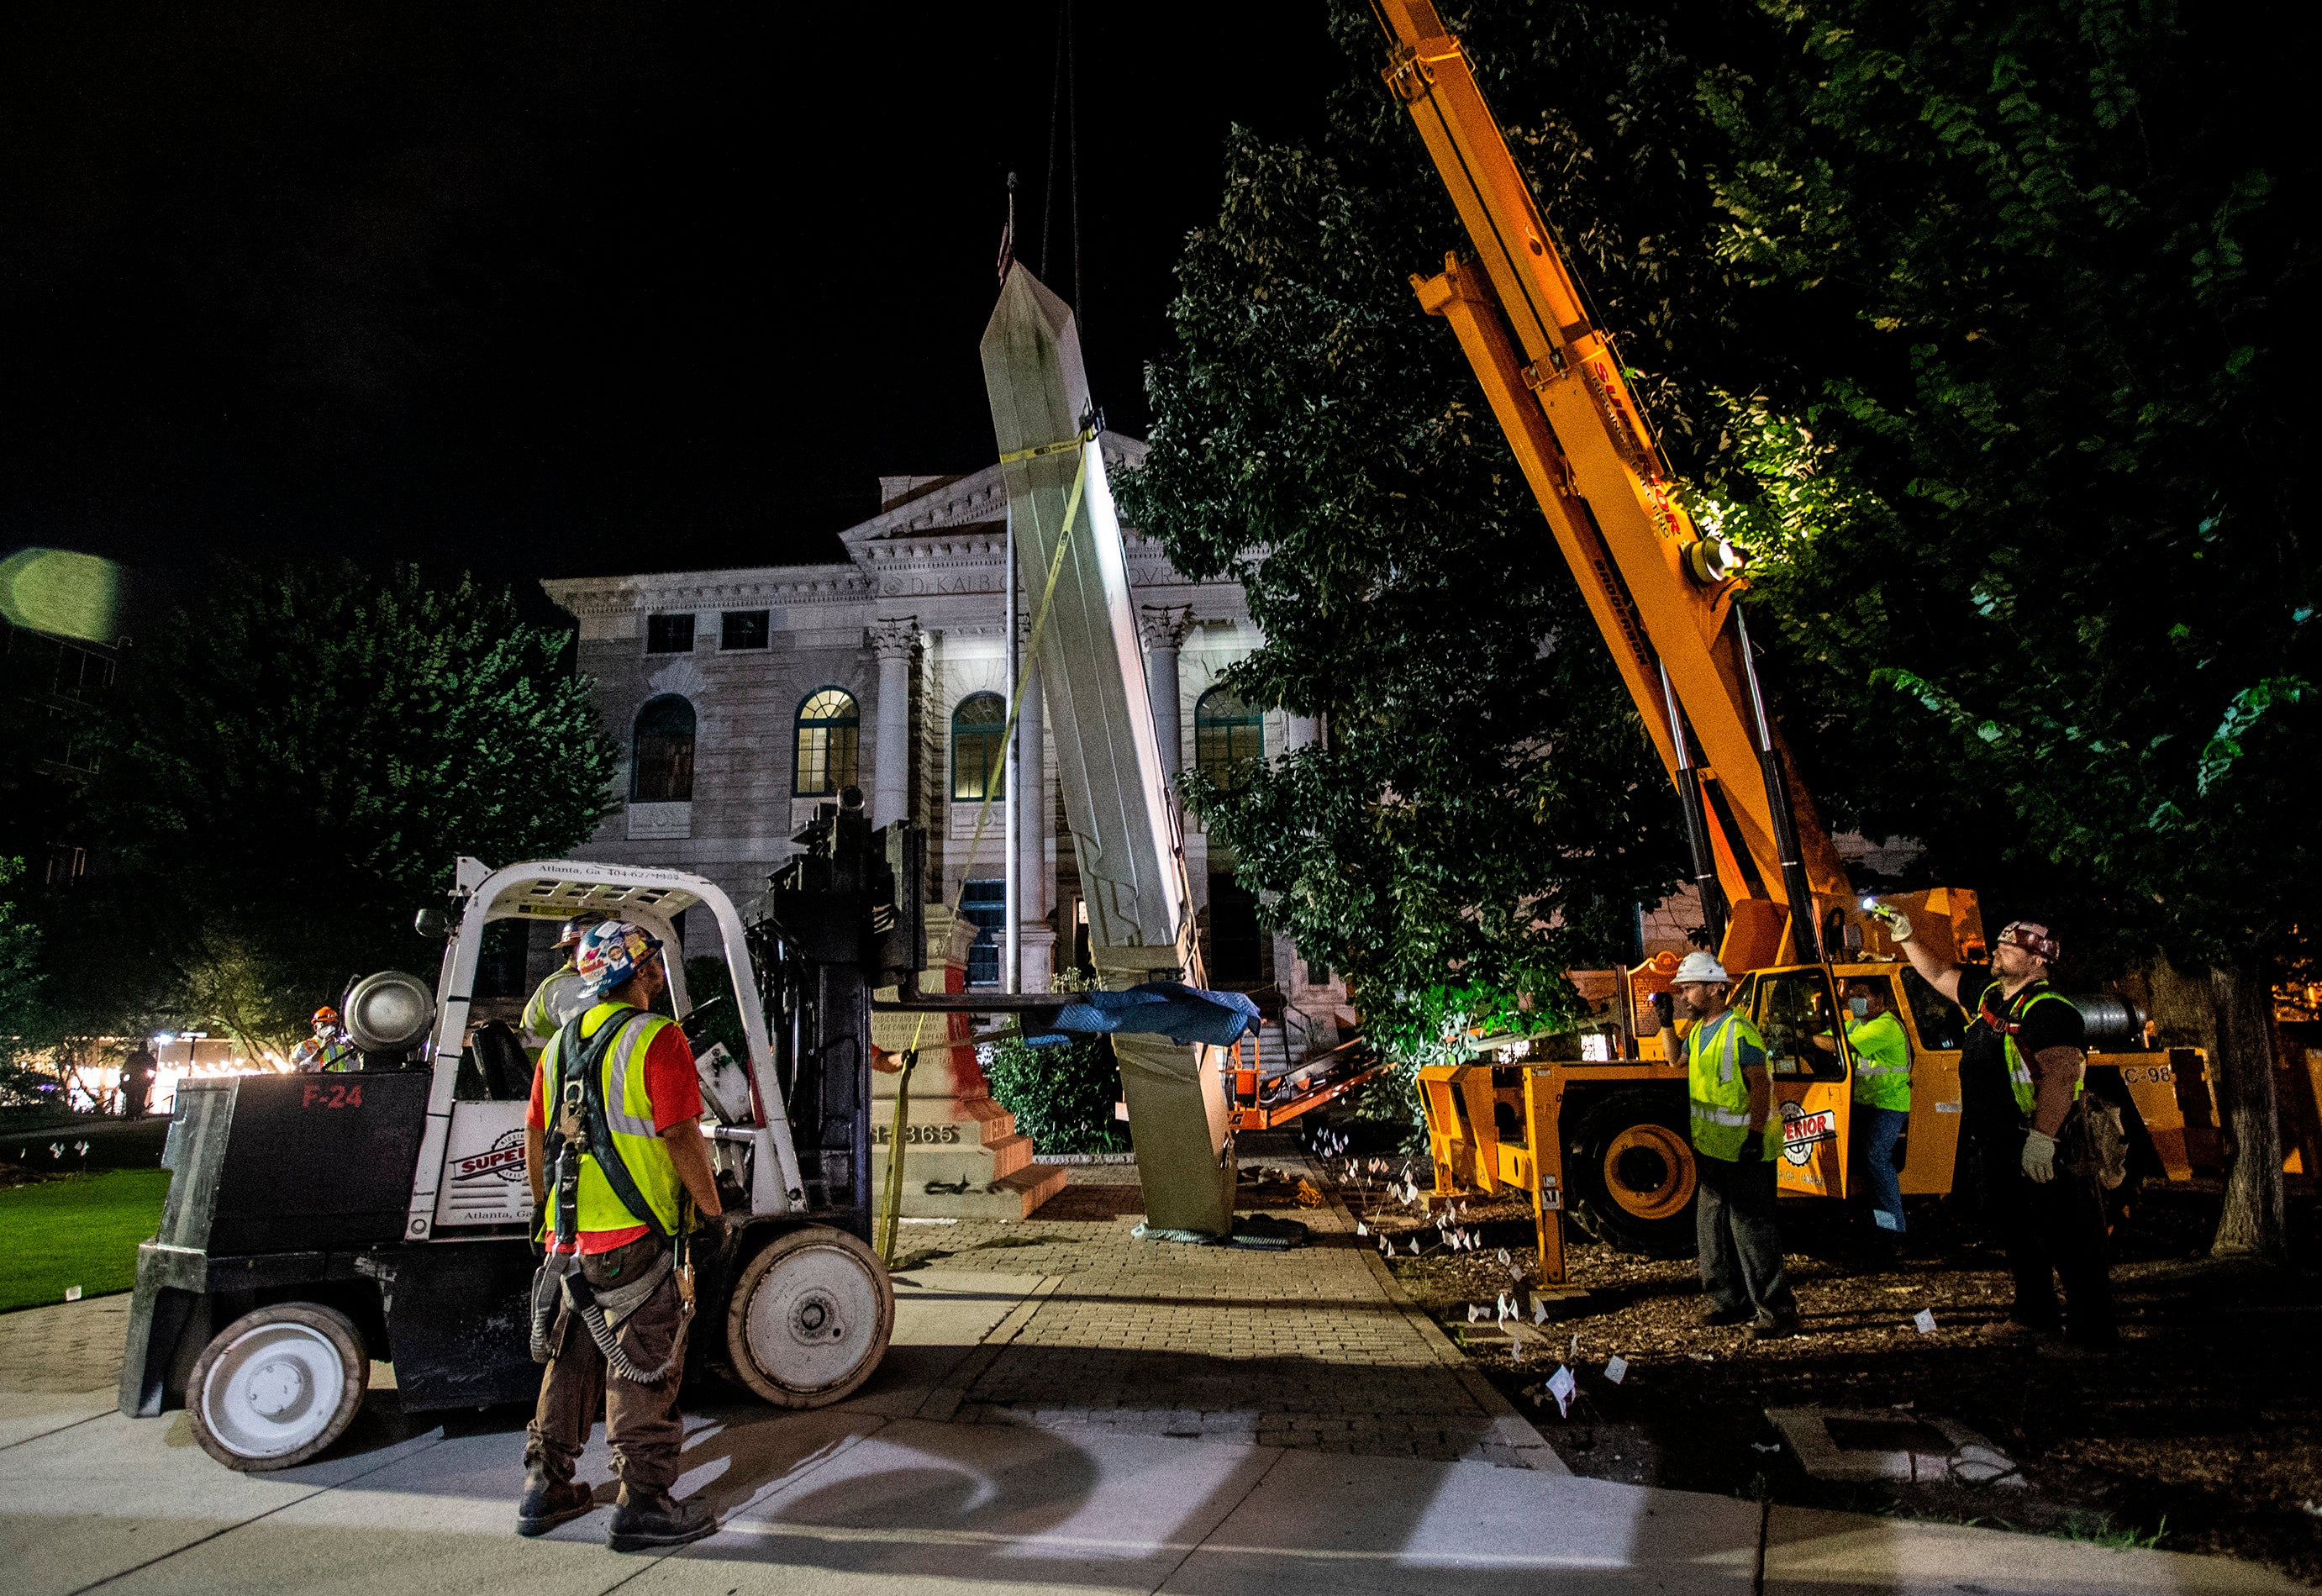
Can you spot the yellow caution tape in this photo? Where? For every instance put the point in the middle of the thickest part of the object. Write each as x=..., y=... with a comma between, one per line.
x=1086, y=435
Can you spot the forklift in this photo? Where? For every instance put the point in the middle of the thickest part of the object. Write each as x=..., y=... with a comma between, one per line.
x=315, y=1222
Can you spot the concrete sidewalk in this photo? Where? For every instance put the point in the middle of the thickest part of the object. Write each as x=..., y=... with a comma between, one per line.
x=850, y=1501
x=1063, y=1410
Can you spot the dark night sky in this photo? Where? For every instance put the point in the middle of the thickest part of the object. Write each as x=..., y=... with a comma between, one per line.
x=570, y=288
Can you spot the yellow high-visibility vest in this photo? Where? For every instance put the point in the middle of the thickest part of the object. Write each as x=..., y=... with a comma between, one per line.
x=628, y=1119
x=1720, y=1097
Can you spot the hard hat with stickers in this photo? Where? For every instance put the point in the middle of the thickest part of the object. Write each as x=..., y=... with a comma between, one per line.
x=610, y=953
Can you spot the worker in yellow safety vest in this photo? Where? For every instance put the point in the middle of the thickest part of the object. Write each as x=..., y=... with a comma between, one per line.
x=614, y=1152
x=1733, y=1098
x=327, y=1049
x=559, y=994
x=2020, y=1071
x=1882, y=1097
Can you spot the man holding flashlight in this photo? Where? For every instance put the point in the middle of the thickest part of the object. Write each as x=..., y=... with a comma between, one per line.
x=2019, y=1072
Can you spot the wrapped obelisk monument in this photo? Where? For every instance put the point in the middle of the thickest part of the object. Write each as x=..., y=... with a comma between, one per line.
x=1074, y=573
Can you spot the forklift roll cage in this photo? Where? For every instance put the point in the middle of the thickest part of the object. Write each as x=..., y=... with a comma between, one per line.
x=557, y=890
x=317, y=1222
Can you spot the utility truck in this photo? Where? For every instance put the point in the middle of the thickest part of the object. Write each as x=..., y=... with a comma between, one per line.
x=1605, y=1137
x=316, y=1223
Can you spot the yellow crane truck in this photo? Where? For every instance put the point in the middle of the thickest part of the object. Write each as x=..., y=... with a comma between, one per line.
x=1604, y=1137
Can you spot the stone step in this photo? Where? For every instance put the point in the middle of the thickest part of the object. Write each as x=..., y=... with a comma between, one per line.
x=979, y=1166
x=975, y=1171
x=943, y=1121
x=1010, y=1196
x=1010, y=1154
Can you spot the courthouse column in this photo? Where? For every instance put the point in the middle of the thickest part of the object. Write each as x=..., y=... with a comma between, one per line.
x=1164, y=627
x=890, y=641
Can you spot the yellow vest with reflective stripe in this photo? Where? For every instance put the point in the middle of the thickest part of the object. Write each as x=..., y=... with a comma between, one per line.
x=1720, y=1097
x=2019, y=1067
x=1882, y=1062
x=628, y=1118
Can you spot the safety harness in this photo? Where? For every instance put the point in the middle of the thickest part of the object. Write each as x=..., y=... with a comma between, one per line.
x=2008, y=1019
x=580, y=1126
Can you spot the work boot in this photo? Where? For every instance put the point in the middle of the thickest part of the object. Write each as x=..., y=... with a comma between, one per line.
x=1772, y=1326
x=644, y=1519
x=1713, y=1316
x=548, y=1503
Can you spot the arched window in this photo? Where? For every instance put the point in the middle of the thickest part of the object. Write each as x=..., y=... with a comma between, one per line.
x=976, y=728
x=829, y=734
x=1229, y=738
x=663, y=769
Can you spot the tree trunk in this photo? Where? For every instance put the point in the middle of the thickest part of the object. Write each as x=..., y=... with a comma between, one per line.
x=2182, y=1006
x=2251, y=1224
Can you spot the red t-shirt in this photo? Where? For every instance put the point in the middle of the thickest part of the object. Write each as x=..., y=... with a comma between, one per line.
x=673, y=1088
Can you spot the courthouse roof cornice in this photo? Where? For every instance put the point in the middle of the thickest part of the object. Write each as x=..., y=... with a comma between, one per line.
x=957, y=526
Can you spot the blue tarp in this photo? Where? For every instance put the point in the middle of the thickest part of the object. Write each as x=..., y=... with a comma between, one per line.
x=1183, y=1014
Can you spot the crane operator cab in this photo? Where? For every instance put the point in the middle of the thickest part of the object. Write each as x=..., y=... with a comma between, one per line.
x=315, y=1222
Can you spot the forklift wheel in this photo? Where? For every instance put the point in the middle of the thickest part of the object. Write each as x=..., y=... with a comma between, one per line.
x=809, y=1318
x=277, y=1386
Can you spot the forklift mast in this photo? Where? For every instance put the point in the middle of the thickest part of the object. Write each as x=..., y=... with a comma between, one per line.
x=841, y=920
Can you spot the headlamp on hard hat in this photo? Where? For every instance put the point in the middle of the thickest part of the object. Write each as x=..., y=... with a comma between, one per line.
x=2016, y=934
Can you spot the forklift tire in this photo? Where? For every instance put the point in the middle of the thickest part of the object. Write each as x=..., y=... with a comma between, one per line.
x=277, y=1386
x=809, y=1318
x=1630, y=1171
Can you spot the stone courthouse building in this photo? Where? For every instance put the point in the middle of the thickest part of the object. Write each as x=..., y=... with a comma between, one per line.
x=746, y=697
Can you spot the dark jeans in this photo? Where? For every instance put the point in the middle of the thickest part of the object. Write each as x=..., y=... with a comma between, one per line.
x=1740, y=1254
x=2052, y=1232
x=642, y=1423
x=1876, y=1131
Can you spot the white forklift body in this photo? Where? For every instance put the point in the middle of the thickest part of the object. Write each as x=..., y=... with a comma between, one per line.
x=315, y=1222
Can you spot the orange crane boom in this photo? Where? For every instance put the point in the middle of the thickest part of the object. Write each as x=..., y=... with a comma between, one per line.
x=1660, y=590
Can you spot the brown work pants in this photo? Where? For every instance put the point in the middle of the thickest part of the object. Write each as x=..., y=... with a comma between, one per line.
x=642, y=1423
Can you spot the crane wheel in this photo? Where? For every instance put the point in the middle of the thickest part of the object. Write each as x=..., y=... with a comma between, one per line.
x=809, y=1318
x=1630, y=1170
x=276, y=1386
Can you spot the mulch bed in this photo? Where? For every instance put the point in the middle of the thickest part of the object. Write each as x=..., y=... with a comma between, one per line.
x=2202, y=1433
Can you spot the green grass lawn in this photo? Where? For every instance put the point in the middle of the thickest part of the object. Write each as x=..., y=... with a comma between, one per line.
x=82, y=1230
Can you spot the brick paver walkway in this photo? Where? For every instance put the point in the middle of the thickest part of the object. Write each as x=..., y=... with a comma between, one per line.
x=1313, y=1348
x=64, y=1347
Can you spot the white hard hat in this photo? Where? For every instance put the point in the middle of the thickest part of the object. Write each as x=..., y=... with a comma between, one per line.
x=1701, y=966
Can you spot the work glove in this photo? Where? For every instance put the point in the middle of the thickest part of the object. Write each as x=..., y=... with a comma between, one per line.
x=1898, y=923
x=2039, y=1158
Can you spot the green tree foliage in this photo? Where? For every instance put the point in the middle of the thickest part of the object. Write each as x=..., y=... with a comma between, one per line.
x=294, y=758
x=20, y=991
x=2043, y=567
x=1062, y=1094
x=1487, y=811
x=2047, y=531
x=1974, y=322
